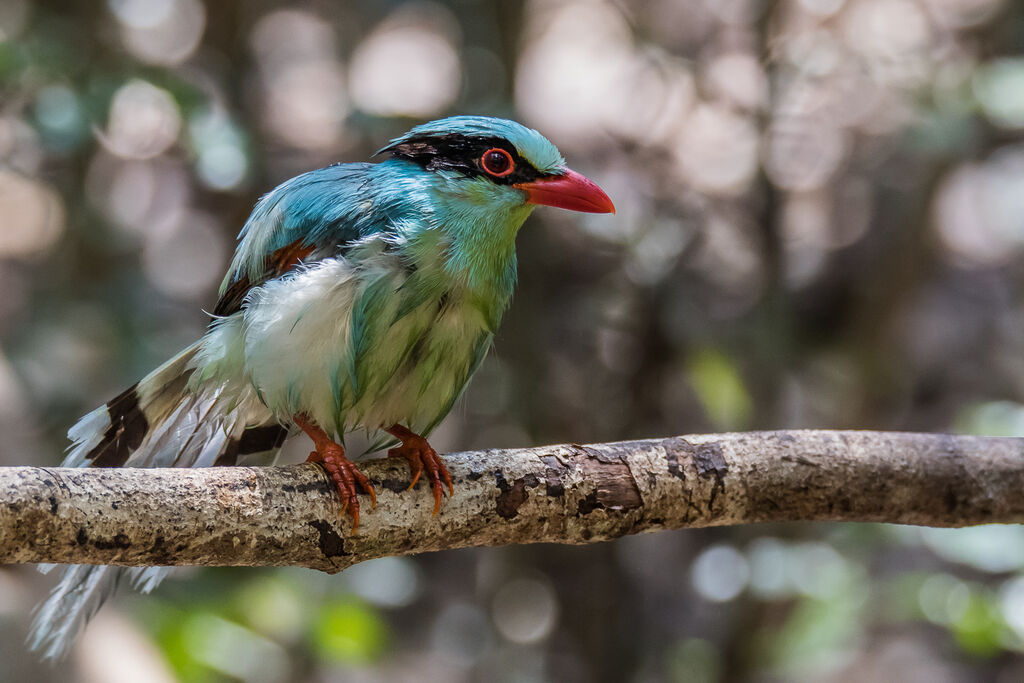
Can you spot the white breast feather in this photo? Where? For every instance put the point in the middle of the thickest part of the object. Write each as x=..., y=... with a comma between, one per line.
x=297, y=335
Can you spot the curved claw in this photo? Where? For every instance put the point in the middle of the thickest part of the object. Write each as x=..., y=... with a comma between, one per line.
x=435, y=472
x=347, y=479
x=415, y=463
x=422, y=456
x=364, y=483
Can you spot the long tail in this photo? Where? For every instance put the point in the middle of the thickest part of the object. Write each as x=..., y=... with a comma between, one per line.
x=163, y=421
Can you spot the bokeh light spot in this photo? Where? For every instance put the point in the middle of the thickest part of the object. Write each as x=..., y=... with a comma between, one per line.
x=386, y=581
x=302, y=81
x=738, y=77
x=943, y=598
x=720, y=573
x=525, y=610
x=143, y=122
x=999, y=87
x=58, y=111
x=979, y=209
x=405, y=71
x=573, y=70
x=717, y=151
x=218, y=143
x=234, y=650
x=164, y=32
x=185, y=254
x=33, y=216
x=351, y=633
x=990, y=548
x=462, y=633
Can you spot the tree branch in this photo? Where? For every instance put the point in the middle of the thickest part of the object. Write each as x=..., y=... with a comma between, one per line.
x=553, y=494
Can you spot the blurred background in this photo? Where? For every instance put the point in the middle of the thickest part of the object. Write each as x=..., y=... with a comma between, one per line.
x=821, y=224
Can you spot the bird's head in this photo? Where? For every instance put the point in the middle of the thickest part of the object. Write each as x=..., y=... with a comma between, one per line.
x=494, y=161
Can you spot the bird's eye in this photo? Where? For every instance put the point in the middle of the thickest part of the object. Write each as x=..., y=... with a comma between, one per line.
x=497, y=162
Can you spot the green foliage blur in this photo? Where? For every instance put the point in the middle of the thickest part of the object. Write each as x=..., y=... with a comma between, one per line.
x=821, y=224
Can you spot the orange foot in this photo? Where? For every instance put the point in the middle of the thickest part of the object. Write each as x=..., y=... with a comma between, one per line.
x=339, y=468
x=421, y=457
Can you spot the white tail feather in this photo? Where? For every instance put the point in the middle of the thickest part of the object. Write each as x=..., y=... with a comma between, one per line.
x=72, y=603
x=186, y=427
x=86, y=435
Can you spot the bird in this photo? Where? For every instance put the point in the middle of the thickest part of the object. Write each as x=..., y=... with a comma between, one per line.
x=360, y=297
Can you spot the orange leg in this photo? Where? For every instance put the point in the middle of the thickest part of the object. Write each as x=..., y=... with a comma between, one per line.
x=340, y=469
x=421, y=457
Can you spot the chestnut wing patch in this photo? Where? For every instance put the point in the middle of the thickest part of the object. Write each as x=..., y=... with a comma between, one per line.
x=275, y=265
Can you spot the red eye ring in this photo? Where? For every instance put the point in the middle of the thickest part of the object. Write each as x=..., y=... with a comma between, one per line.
x=497, y=162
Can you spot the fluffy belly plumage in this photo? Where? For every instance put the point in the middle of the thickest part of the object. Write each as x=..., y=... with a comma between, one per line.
x=349, y=348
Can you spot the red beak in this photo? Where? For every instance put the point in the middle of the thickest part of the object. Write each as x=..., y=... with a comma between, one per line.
x=570, y=190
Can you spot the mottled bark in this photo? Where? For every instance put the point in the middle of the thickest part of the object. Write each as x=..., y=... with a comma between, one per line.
x=554, y=494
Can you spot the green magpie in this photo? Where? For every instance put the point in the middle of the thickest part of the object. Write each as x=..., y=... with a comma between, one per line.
x=360, y=297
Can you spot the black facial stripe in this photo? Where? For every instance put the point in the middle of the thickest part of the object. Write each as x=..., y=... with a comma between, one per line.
x=462, y=153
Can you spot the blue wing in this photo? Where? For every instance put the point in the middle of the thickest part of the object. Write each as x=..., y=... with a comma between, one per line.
x=311, y=216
